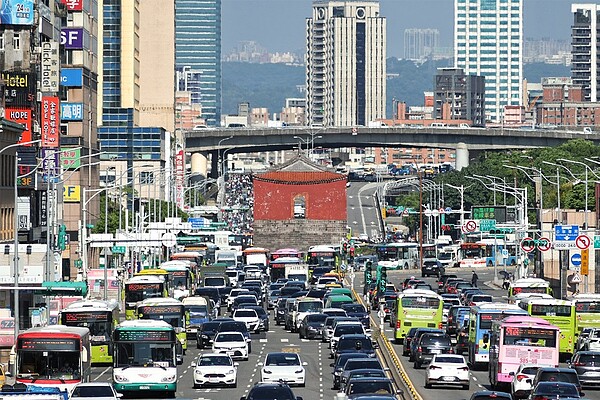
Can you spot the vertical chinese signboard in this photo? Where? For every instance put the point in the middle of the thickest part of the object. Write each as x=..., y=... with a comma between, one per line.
x=50, y=64
x=50, y=124
x=179, y=174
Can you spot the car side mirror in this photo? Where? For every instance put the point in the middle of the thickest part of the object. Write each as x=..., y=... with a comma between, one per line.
x=582, y=394
x=299, y=398
x=236, y=364
x=331, y=365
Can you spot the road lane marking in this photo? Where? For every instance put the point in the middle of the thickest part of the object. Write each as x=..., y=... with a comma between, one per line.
x=285, y=340
x=102, y=373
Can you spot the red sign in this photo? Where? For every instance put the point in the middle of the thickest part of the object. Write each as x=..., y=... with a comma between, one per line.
x=73, y=5
x=179, y=176
x=544, y=247
x=528, y=245
x=50, y=121
x=20, y=116
x=471, y=226
x=583, y=242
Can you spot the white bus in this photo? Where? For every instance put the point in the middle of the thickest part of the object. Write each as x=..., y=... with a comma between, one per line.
x=145, y=357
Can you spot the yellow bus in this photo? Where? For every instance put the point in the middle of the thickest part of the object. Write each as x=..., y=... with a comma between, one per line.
x=160, y=273
x=416, y=308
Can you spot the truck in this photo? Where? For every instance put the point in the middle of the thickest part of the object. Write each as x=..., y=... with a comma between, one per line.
x=297, y=272
x=214, y=275
x=228, y=257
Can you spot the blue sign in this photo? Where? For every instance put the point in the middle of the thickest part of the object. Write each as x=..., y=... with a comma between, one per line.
x=72, y=77
x=566, y=233
x=196, y=222
x=16, y=12
x=576, y=260
x=71, y=111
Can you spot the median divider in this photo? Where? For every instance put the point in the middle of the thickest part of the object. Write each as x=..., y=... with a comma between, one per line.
x=390, y=357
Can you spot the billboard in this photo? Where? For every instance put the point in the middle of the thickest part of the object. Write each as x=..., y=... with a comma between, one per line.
x=50, y=121
x=70, y=158
x=72, y=193
x=179, y=177
x=42, y=208
x=50, y=64
x=19, y=89
x=71, y=111
x=16, y=12
x=21, y=116
x=72, y=77
x=72, y=38
x=73, y=5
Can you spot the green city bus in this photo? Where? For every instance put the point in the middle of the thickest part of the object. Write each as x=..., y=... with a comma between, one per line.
x=165, y=309
x=416, y=308
x=139, y=288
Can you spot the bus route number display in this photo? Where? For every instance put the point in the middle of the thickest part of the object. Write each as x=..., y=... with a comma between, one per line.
x=160, y=310
x=529, y=332
x=48, y=344
x=136, y=287
x=85, y=317
x=142, y=336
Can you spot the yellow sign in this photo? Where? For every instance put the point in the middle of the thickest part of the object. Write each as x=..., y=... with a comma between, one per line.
x=72, y=194
x=585, y=261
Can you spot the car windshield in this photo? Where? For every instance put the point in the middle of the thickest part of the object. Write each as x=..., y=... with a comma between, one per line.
x=210, y=326
x=588, y=358
x=318, y=318
x=355, y=344
x=450, y=360
x=383, y=387
x=92, y=391
x=362, y=364
x=229, y=337
x=308, y=306
x=245, y=314
x=206, y=361
x=341, y=360
x=233, y=326
x=428, y=340
x=354, y=308
x=348, y=329
x=271, y=392
x=556, y=389
x=282, y=359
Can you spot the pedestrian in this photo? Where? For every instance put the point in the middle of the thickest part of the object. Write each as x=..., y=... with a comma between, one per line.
x=474, y=279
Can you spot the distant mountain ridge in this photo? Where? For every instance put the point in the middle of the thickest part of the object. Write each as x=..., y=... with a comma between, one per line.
x=268, y=85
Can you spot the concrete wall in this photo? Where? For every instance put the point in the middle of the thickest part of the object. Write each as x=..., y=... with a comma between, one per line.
x=297, y=233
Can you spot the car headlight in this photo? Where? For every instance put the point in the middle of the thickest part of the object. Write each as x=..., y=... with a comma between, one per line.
x=121, y=378
x=169, y=378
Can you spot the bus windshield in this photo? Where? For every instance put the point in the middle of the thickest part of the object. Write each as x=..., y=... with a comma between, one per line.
x=197, y=311
x=144, y=354
x=135, y=292
x=420, y=302
x=170, y=314
x=49, y=364
x=308, y=306
x=551, y=310
x=179, y=279
x=98, y=323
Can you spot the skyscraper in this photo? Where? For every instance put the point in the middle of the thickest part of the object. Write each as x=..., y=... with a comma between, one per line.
x=488, y=41
x=584, y=35
x=345, y=69
x=198, y=51
x=420, y=43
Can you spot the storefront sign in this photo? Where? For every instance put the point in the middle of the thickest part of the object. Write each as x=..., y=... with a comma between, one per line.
x=50, y=122
x=50, y=67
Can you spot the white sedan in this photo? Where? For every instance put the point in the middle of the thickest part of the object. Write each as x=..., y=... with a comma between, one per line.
x=249, y=317
x=286, y=367
x=215, y=369
x=231, y=343
x=522, y=383
x=447, y=369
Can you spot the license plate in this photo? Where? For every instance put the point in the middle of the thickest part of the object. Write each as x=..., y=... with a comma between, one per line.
x=436, y=351
x=592, y=374
x=144, y=387
x=213, y=380
x=449, y=379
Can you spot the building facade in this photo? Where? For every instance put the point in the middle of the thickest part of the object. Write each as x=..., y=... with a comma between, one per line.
x=584, y=38
x=345, y=63
x=459, y=96
x=420, y=43
x=488, y=41
x=198, y=54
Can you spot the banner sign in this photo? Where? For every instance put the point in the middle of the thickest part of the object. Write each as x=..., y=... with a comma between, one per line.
x=43, y=208
x=19, y=89
x=50, y=67
x=72, y=194
x=179, y=175
x=70, y=158
x=21, y=116
x=16, y=12
x=71, y=77
x=50, y=162
x=72, y=38
x=71, y=111
x=50, y=121
x=73, y=5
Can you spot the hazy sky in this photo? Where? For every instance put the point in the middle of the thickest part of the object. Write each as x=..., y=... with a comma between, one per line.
x=279, y=25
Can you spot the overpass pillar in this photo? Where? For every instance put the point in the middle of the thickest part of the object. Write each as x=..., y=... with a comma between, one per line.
x=214, y=164
x=462, y=156
x=199, y=167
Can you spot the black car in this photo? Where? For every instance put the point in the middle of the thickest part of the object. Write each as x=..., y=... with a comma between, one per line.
x=587, y=365
x=354, y=343
x=358, y=363
x=211, y=292
x=357, y=386
x=270, y=391
x=550, y=374
x=490, y=395
x=237, y=326
x=358, y=311
x=243, y=301
x=319, y=272
x=316, y=293
x=409, y=337
x=430, y=344
x=415, y=340
x=262, y=314
x=287, y=291
x=206, y=333
x=279, y=312
x=311, y=327
x=555, y=390
x=431, y=268
x=338, y=366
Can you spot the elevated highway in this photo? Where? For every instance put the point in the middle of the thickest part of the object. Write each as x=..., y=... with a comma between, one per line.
x=248, y=140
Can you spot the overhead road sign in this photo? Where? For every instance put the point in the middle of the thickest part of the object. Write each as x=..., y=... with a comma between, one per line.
x=486, y=225
x=566, y=233
x=169, y=239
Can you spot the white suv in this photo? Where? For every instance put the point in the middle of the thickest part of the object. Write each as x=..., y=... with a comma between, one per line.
x=344, y=328
x=249, y=317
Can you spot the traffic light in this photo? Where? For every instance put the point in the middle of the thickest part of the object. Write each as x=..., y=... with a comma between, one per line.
x=345, y=247
x=501, y=231
x=528, y=243
x=62, y=238
x=352, y=251
x=383, y=280
x=446, y=228
x=368, y=273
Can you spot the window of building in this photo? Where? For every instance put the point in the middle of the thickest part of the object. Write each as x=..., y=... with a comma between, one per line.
x=17, y=41
x=299, y=207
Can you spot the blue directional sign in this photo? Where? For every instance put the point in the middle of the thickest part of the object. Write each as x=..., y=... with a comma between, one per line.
x=576, y=260
x=197, y=223
x=566, y=233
